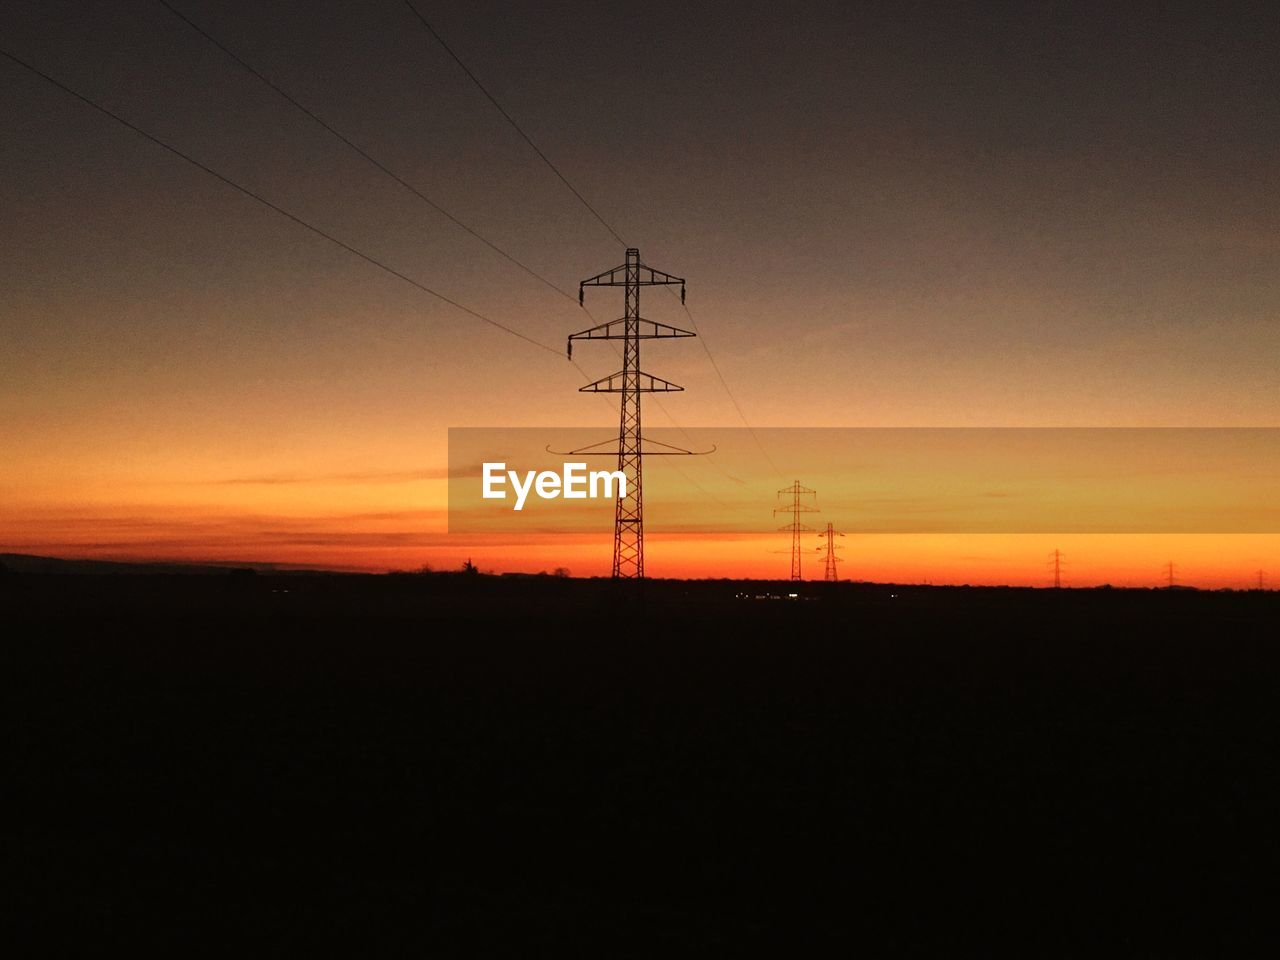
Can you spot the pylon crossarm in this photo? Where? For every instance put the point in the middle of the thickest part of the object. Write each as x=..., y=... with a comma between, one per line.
x=617, y=277
x=796, y=489
x=658, y=276
x=644, y=330
x=592, y=450
x=643, y=383
x=613, y=277
x=642, y=276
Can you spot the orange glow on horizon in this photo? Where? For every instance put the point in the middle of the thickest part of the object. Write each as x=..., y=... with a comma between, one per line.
x=348, y=516
x=408, y=540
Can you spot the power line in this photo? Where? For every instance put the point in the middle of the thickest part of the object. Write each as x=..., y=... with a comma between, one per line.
x=314, y=229
x=357, y=149
x=563, y=179
x=307, y=225
x=360, y=150
x=418, y=193
x=284, y=94
x=732, y=399
x=386, y=170
x=515, y=126
x=298, y=220
x=270, y=205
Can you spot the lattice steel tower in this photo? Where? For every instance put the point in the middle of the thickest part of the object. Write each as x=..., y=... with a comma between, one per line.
x=830, y=558
x=631, y=382
x=795, y=508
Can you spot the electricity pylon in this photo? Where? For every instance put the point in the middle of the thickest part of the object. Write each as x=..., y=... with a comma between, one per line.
x=631, y=382
x=830, y=558
x=795, y=508
x=1055, y=558
x=1169, y=568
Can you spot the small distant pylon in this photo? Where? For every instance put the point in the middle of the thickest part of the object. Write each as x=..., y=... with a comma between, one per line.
x=1169, y=569
x=796, y=507
x=1262, y=579
x=1056, y=559
x=830, y=557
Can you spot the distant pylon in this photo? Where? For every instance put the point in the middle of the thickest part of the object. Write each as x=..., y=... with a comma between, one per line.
x=796, y=507
x=830, y=557
x=1169, y=568
x=630, y=381
x=1056, y=559
x=1262, y=579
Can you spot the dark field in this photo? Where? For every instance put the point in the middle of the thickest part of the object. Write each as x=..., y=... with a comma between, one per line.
x=454, y=766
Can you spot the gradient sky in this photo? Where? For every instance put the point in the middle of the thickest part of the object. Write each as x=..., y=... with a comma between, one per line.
x=979, y=215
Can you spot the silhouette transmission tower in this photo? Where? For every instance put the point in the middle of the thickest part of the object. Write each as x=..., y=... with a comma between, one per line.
x=830, y=557
x=631, y=382
x=1055, y=558
x=797, y=506
x=1169, y=568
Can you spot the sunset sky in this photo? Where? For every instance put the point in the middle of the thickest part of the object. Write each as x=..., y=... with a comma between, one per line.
x=911, y=215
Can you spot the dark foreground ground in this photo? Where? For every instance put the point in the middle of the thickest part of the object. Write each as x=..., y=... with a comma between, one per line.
x=453, y=766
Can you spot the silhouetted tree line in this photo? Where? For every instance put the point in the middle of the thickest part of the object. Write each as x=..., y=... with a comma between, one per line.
x=469, y=569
